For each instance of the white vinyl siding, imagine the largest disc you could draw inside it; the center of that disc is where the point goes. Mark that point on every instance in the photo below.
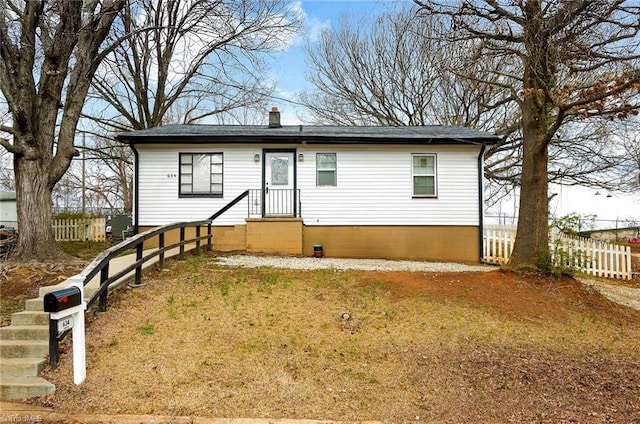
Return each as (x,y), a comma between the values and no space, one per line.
(159,201)
(375,188)
(375,185)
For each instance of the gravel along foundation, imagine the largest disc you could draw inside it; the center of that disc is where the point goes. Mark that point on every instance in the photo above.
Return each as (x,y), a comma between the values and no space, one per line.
(250,261)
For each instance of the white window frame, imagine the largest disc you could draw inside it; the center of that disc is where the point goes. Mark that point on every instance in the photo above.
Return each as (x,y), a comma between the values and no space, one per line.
(334,170)
(415,175)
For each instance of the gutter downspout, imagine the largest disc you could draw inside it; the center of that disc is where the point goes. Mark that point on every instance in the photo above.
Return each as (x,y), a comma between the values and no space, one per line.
(136,174)
(481,203)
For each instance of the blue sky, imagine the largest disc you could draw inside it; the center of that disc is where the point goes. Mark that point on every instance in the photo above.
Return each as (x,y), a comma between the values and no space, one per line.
(289,67)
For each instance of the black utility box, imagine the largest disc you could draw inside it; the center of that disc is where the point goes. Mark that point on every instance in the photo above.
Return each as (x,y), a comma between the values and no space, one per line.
(60,300)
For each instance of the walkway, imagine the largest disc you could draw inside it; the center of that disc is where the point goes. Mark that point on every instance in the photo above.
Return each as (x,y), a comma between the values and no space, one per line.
(24,413)
(117,265)
(617,293)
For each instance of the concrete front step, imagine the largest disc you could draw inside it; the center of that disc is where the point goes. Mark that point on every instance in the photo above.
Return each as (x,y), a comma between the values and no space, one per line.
(21,367)
(24,387)
(25,332)
(23,349)
(30,318)
(36,304)
(48,289)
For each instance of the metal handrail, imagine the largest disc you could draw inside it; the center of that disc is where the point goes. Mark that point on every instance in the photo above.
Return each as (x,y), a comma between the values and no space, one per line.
(101,265)
(256,206)
(229,205)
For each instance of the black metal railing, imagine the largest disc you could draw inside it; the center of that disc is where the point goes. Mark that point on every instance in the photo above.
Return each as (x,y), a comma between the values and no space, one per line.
(230,205)
(275,203)
(267,203)
(100,265)
(255,203)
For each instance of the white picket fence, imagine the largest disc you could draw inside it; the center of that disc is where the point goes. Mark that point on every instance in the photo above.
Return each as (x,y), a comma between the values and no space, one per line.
(92,229)
(593,257)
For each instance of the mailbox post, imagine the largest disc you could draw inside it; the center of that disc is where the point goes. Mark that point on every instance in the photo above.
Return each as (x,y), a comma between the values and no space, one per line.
(66,312)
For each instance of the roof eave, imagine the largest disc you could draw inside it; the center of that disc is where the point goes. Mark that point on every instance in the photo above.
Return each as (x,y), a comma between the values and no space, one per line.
(297,139)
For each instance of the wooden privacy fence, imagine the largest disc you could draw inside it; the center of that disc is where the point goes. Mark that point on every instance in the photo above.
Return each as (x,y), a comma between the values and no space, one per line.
(593,257)
(80,229)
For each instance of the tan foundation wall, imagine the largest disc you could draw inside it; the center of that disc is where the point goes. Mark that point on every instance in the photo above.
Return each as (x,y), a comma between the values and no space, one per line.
(445,243)
(225,239)
(275,235)
(290,236)
(229,239)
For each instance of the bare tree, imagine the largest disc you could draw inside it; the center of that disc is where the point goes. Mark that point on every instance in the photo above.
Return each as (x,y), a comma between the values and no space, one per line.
(6,172)
(105,180)
(49,51)
(629,146)
(188,60)
(578,60)
(7,179)
(110,176)
(185,60)
(387,70)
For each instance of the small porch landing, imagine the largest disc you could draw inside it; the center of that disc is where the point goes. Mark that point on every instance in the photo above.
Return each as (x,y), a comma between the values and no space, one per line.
(274,235)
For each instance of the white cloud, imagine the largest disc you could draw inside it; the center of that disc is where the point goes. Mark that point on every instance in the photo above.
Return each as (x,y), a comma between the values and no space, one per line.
(312,27)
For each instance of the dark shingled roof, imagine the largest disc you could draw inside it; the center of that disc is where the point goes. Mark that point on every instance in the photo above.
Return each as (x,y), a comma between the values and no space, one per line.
(298,134)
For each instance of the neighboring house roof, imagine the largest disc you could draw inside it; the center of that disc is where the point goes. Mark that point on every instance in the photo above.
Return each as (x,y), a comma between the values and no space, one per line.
(7,195)
(301,134)
(608,230)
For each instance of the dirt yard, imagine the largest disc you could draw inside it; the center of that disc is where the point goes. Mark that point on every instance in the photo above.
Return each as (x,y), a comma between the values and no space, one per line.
(204,340)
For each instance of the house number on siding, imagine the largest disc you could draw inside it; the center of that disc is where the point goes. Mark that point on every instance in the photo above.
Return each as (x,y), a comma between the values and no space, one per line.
(172,175)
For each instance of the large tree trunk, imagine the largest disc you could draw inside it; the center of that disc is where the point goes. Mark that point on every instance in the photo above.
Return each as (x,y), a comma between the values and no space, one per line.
(36,239)
(48,58)
(531,247)
(532,238)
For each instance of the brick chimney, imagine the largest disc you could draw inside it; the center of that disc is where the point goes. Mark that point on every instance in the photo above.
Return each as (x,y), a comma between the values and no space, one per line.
(274,118)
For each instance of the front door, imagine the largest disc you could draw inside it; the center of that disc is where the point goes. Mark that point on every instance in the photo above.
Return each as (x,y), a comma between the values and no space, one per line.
(279,183)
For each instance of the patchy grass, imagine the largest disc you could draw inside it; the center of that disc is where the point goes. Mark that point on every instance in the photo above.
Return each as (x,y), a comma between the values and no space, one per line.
(86,250)
(393,346)
(21,282)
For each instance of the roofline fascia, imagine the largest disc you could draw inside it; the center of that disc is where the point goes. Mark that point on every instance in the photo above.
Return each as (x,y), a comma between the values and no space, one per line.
(297,140)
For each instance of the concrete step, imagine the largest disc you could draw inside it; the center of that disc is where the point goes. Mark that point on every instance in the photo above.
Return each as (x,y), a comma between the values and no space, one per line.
(24,387)
(23,349)
(36,304)
(21,367)
(48,289)
(30,318)
(25,332)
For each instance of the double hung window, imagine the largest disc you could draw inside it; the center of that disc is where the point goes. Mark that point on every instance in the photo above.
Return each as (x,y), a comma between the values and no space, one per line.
(424,175)
(326,169)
